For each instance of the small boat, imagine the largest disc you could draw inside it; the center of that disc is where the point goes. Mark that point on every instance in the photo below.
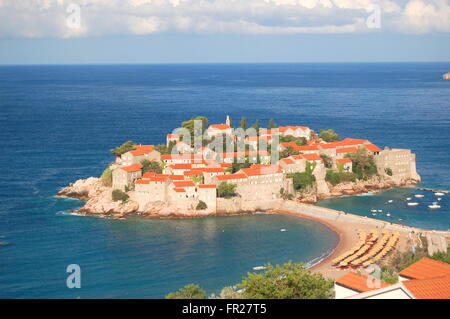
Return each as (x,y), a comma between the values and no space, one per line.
(439,194)
(390,201)
(373,214)
(259,268)
(419,196)
(408,198)
(283,229)
(439,199)
(373,210)
(388,214)
(400,219)
(413,204)
(434,206)
(380,210)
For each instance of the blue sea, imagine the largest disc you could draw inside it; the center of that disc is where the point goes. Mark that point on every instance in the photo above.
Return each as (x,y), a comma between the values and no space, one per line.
(58,123)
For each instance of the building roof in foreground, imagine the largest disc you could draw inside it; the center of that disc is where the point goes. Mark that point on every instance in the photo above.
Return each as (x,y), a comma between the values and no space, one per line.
(426,268)
(434,288)
(360,283)
(132,168)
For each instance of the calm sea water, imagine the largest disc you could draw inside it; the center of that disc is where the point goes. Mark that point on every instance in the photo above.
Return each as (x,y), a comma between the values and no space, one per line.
(58,123)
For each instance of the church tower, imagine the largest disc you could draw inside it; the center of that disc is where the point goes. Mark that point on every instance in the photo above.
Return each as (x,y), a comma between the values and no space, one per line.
(228,121)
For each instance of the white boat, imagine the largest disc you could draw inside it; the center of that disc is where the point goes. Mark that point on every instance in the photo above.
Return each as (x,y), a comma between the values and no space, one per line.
(390,201)
(434,206)
(408,198)
(259,268)
(419,196)
(373,210)
(380,210)
(413,204)
(373,214)
(439,194)
(283,229)
(388,215)
(439,199)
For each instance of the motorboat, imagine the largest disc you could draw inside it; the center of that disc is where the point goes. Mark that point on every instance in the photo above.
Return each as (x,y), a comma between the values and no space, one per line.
(259,268)
(439,194)
(434,206)
(413,204)
(419,196)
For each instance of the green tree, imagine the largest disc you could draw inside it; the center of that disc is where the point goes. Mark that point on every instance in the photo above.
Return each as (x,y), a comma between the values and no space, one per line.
(151,166)
(256,127)
(118,195)
(329,135)
(188,292)
(303,180)
(288,151)
(388,171)
(164,149)
(226,190)
(290,281)
(201,205)
(300,141)
(363,163)
(243,123)
(272,124)
(441,256)
(327,160)
(190,126)
(335,178)
(106,178)
(122,149)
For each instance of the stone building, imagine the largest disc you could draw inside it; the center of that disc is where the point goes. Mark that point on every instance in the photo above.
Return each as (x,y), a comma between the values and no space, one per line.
(125,175)
(402,163)
(141,152)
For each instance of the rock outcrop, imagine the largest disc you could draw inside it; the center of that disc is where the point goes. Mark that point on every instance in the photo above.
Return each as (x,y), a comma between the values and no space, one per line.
(446,76)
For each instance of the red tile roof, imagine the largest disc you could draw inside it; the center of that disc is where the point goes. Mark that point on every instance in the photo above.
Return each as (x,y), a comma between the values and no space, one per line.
(142,149)
(212,169)
(288,160)
(373,148)
(435,288)
(193,172)
(426,268)
(226,165)
(306,148)
(207,186)
(220,127)
(230,176)
(173,135)
(360,283)
(183,183)
(132,168)
(180,166)
(344,160)
(346,150)
(312,157)
(142,181)
(242,154)
(182,157)
(179,190)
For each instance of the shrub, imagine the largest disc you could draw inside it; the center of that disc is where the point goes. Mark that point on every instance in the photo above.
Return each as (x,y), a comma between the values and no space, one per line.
(118,195)
(188,292)
(441,256)
(328,161)
(303,180)
(335,178)
(125,147)
(329,135)
(388,171)
(226,190)
(106,178)
(363,164)
(201,205)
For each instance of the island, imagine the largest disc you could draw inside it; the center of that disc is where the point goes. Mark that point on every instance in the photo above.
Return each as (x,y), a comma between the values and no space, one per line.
(221,170)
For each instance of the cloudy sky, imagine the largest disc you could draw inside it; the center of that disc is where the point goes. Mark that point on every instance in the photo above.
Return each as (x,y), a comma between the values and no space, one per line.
(164,31)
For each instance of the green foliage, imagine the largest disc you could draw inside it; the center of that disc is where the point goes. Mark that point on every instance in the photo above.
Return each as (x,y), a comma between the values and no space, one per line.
(164,149)
(106,178)
(122,149)
(388,171)
(228,293)
(441,256)
(243,123)
(201,205)
(118,195)
(189,125)
(256,127)
(300,141)
(363,164)
(272,124)
(226,190)
(329,135)
(335,178)
(389,274)
(327,160)
(288,151)
(302,181)
(148,166)
(290,281)
(188,292)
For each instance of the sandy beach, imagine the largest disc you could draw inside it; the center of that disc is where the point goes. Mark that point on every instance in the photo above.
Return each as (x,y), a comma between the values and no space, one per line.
(346,226)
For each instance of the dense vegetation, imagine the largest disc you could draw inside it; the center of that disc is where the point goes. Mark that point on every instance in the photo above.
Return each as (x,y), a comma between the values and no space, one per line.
(329,135)
(201,205)
(148,166)
(336,177)
(288,151)
(164,149)
(327,160)
(290,281)
(363,164)
(118,195)
(188,292)
(388,171)
(106,178)
(272,124)
(300,141)
(226,190)
(122,149)
(304,180)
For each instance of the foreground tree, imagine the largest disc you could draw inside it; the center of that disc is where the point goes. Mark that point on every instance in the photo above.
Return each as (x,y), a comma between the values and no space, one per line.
(188,292)
(329,135)
(243,123)
(363,163)
(290,281)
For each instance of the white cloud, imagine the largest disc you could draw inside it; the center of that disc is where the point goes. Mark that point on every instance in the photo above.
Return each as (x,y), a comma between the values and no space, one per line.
(47,18)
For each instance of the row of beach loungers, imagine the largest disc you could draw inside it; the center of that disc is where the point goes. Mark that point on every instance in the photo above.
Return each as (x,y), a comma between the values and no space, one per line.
(368,250)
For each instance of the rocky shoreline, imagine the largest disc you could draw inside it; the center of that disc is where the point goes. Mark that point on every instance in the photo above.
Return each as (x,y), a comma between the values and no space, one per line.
(99,200)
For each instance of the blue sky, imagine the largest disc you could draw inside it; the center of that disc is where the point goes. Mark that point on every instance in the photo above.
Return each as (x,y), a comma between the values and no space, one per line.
(205,31)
